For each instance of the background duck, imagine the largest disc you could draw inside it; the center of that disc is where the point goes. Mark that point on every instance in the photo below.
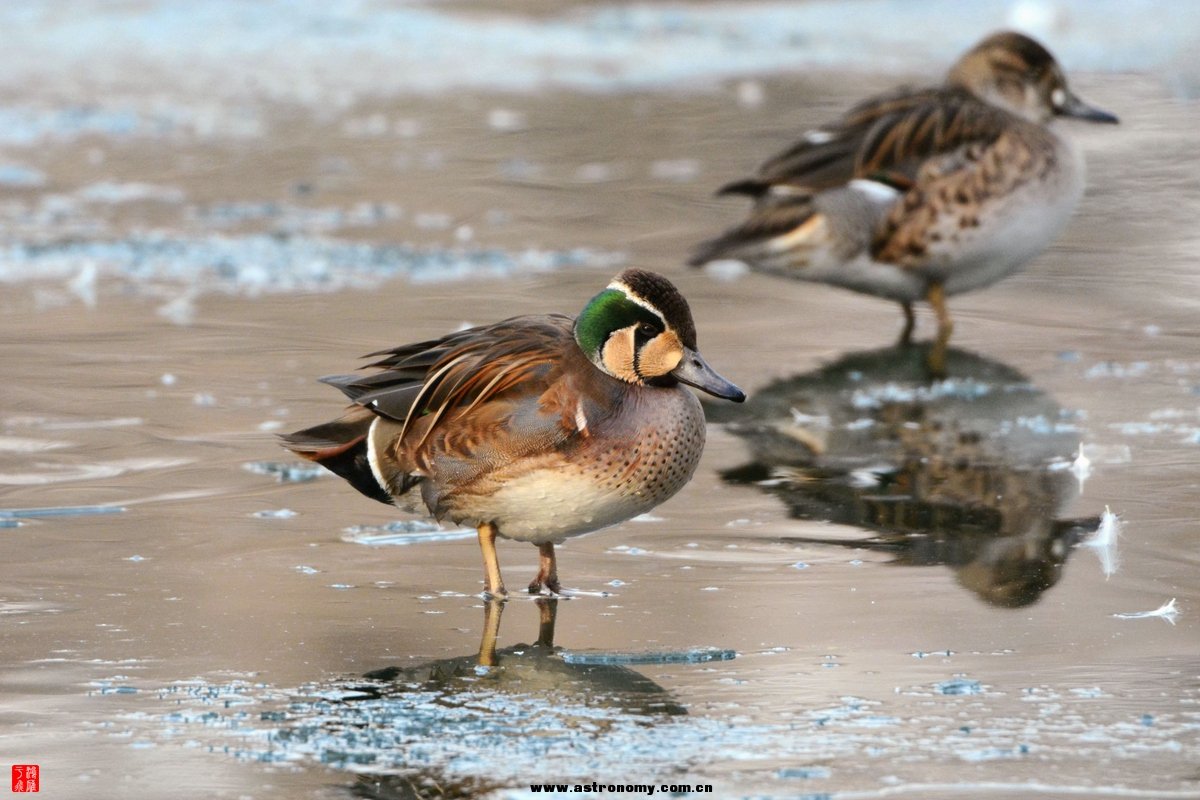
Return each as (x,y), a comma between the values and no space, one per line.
(535,428)
(920,194)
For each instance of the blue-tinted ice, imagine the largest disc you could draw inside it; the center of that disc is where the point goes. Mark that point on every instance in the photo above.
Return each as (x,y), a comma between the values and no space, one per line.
(58,511)
(404,532)
(695,655)
(288,472)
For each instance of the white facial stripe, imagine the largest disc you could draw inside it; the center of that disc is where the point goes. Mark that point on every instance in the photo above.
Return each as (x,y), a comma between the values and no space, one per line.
(818,136)
(621,287)
(1058,97)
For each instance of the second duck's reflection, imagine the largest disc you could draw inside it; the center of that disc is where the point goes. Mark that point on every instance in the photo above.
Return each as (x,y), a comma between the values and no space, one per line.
(970,472)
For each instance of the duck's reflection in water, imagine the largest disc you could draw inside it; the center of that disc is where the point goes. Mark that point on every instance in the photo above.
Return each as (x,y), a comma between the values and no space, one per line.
(415,730)
(534,669)
(972,472)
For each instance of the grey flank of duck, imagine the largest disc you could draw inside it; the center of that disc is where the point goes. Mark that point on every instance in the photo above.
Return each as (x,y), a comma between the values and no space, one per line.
(535,428)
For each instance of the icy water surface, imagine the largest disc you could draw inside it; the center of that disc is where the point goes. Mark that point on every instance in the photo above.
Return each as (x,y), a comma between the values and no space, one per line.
(876,585)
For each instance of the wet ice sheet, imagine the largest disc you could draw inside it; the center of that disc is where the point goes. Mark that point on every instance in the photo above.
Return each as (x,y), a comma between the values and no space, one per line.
(404,532)
(319,55)
(260,263)
(698,655)
(61,511)
(42,474)
(195,585)
(289,472)
(439,726)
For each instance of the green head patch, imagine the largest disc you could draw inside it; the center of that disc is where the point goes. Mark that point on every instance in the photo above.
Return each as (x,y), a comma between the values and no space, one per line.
(609,311)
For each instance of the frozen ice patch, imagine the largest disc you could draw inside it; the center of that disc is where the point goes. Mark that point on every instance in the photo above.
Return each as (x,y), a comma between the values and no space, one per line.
(19,176)
(276,513)
(595,173)
(50,473)
(726,270)
(296,472)
(506,120)
(693,655)
(1113,369)
(17,444)
(254,264)
(885,394)
(751,94)
(25,126)
(804,773)
(111,192)
(679,170)
(959,685)
(323,55)
(404,532)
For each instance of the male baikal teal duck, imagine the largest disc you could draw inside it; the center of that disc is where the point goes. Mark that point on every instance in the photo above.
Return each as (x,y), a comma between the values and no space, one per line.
(922,193)
(536,428)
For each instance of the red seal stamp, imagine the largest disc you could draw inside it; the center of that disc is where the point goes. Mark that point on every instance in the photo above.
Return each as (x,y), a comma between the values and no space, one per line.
(26,778)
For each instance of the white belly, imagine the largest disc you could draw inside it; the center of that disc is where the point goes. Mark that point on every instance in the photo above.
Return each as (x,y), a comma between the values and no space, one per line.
(862,274)
(551,505)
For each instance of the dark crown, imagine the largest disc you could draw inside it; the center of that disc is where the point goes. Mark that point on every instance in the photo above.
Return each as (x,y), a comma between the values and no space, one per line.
(657,291)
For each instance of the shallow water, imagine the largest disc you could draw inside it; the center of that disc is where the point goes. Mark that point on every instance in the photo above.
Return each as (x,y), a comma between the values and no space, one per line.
(874,586)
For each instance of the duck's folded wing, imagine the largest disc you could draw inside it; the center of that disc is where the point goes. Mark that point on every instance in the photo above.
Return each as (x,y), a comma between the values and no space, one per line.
(445,399)
(444,374)
(490,403)
(885,138)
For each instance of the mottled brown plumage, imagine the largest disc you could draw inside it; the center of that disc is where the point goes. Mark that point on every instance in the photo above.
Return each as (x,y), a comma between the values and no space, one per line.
(917,194)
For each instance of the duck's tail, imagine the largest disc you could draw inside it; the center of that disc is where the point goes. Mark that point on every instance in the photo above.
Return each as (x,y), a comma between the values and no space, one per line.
(772,228)
(341,447)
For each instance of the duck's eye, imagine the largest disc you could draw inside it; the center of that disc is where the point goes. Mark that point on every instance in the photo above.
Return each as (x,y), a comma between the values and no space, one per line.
(647,330)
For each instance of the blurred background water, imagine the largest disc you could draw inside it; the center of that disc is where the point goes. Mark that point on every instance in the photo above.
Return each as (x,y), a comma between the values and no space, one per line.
(875,586)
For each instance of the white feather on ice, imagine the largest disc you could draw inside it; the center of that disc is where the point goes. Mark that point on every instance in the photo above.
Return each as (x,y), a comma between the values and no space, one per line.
(1167,611)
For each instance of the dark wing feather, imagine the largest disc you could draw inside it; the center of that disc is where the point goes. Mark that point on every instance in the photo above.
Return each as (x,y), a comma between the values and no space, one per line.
(331,438)
(387,393)
(885,138)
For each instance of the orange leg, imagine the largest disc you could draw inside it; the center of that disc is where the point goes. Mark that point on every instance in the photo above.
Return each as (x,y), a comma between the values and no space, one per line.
(937,356)
(547,571)
(493,584)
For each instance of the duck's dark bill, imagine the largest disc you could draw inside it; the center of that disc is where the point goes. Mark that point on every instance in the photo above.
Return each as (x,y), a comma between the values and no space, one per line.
(695,371)
(1074,107)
